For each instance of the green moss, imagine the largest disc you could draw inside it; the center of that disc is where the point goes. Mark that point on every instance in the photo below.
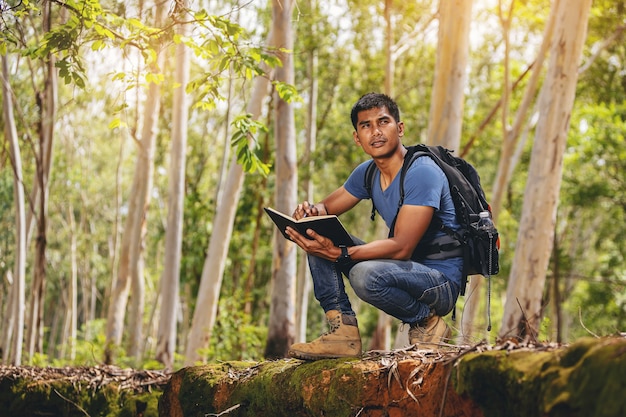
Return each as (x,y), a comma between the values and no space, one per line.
(65,398)
(585,379)
(273,389)
(145,405)
(199,386)
(503,383)
(339,386)
(593,385)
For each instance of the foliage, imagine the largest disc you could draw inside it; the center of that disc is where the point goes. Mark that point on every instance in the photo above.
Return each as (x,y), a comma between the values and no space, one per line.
(594,195)
(245,130)
(236,335)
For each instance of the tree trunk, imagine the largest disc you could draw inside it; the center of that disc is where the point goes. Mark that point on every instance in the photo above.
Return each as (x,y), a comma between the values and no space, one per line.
(303,278)
(69,335)
(446,109)
(522,310)
(130,272)
(166,334)
(205,312)
(15,331)
(47,100)
(281,326)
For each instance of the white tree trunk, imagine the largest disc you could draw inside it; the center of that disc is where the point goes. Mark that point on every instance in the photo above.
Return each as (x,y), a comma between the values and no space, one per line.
(131,259)
(47,118)
(281,326)
(522,310)
(446,108)
(303,278)
(72,298)
(166,334)
(205,313)
(16,327)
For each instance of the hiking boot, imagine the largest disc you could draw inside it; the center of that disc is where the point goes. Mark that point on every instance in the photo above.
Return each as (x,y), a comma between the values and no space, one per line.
(430,333)
(342,340)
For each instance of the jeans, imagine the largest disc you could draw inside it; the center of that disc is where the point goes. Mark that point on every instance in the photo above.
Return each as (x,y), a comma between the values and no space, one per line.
(406,290)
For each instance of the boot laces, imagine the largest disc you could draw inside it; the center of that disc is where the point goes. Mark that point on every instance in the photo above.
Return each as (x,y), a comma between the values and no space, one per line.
(334,325)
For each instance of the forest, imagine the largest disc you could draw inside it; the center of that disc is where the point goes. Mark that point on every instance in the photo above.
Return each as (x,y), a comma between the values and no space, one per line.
(142,140)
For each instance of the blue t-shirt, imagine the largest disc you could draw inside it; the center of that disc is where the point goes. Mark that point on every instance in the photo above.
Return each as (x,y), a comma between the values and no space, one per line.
(425,184)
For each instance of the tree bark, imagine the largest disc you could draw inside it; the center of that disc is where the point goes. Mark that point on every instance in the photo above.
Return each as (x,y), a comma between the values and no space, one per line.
(166,334)
(72,298)
(15,331)
(46,101)
(522,309)
(446,109)
(281,326)
(130,273)
(303,278)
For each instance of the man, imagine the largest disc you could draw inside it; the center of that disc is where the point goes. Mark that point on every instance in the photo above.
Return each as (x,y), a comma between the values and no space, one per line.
(390,274)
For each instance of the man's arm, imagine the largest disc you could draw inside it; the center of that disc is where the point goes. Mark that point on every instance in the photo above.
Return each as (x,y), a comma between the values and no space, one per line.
(411,224)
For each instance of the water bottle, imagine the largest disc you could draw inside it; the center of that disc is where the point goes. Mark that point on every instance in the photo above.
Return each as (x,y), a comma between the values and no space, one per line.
(485,223)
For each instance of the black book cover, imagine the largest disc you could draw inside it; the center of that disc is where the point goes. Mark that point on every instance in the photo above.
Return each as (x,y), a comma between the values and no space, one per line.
(329,226)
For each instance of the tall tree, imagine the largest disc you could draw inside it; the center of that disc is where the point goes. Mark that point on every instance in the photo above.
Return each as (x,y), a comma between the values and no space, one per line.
(131,267)
(15,333)
(47,101)
(281,327)
(523,308)
(303,279)
(166,336)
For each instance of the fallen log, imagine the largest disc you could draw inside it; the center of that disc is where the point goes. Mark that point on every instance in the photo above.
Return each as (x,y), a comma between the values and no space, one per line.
(585,379)
(510,379)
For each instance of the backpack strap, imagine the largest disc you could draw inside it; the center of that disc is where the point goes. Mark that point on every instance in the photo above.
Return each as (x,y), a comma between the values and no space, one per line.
(369,184)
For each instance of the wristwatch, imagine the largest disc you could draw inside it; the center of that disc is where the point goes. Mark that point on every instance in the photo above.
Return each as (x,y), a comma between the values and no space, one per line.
(344,258)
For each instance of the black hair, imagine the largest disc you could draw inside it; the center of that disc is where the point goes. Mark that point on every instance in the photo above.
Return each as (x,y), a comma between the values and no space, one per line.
(374,100)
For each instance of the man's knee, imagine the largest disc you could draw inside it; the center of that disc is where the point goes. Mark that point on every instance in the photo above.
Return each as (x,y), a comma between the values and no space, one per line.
(362,280)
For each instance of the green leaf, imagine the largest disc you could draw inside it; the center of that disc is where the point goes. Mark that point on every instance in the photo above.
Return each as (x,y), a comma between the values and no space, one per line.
(116,122)
(244,129)
(287,92)
(78,80)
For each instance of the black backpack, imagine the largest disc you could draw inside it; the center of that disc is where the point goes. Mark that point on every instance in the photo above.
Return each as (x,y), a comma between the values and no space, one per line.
(479,248)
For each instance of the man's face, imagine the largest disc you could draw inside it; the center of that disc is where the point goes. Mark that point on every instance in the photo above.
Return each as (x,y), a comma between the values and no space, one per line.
(377,132)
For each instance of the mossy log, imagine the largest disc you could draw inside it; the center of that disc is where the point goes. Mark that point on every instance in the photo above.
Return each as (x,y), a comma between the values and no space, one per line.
(584,379)
(104,391)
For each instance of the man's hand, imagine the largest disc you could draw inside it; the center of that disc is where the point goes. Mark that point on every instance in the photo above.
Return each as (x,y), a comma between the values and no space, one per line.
(306,209)
(319,246)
